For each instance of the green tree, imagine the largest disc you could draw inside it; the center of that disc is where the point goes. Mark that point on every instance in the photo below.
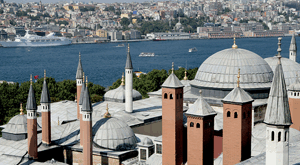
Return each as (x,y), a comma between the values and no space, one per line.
(125,21)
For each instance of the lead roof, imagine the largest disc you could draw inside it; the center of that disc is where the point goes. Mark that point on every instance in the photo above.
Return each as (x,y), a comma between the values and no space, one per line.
(201,108)
(172,82)
(128,61)
(45,96)
(31,102)
(81,94)
(293,45)
(86,102)
(238,95)
(79,73)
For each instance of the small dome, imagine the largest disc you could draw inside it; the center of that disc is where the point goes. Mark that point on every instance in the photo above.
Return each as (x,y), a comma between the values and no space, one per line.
(113,133)
(290,68)
(118,95)
(146,142)
(16,128)
(220,70)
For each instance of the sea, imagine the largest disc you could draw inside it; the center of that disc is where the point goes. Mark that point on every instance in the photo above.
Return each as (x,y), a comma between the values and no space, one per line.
(104,63)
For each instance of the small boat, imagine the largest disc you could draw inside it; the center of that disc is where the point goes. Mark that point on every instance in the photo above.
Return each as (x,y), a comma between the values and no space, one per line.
(120,45)
(193,50)
(144,54)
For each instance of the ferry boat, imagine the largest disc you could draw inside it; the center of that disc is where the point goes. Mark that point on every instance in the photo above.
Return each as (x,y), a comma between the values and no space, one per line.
(33,40)
(143,54)
(120,45)
(193,50)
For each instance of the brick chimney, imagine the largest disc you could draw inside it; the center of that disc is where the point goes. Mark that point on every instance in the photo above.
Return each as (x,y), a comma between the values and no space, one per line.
(237,125)
(80,108)
(172,120)
(31,123)
(200,133)
(46,114)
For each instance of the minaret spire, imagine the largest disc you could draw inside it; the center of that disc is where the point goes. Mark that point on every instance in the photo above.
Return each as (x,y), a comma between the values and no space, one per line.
(293,49)
(128,83)
(46,116)
(79,81)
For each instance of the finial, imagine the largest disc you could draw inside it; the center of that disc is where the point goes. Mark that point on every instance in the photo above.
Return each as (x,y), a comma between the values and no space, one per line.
(79,56)
(185,77)
(107,114)
(128,48)
(45,74)
(122,80)
(83,76)
(238,80)
(279,50)
(234,46)
(172,67)
(86,82)
(200,91)
(31,79)
(21,109)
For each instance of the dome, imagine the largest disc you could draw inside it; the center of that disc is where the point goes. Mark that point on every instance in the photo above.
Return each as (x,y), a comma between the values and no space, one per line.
(146,142)
(118,95)
(290,68)
(115,134)
(16,128)
(218,74)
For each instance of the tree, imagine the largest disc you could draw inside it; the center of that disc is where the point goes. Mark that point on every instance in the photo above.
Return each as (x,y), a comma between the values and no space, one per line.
(125,21)
(110,8)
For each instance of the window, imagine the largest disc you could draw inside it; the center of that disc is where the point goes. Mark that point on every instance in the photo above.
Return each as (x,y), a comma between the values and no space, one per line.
(228,114)
(235,115)
(279,136)
(191,124)
(198,125)
(165,96)
(142,154)
(158,149)
(286,136)
(295,94)
(151,151)
(272,136)
(171,96)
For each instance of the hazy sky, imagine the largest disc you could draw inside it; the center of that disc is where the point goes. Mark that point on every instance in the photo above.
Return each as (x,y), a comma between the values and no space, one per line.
(100,1)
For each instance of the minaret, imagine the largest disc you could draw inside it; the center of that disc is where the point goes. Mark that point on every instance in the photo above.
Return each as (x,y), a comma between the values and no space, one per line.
(278,118)
(79,81)
(172,118)
(200,133)
(237,125)
(46,114)
(293,49)
(128,83)
(31,123)
(80,108)
(87,128)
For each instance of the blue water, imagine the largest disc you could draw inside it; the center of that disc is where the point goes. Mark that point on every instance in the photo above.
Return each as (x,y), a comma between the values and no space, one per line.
(104,63)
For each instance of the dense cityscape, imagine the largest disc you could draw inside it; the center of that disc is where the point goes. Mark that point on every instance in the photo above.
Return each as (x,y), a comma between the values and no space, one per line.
(101,22)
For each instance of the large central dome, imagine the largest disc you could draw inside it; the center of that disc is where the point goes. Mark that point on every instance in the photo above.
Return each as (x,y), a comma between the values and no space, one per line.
(218,73)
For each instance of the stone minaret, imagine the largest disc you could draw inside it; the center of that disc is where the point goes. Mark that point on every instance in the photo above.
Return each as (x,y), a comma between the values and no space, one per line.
(79,82)
(172,118)
(278,119)
(237,125)
(87,128)
(31,123)
(200,133)
(80,107)
(46,114)
(128,83)
(293,49)
(294,102)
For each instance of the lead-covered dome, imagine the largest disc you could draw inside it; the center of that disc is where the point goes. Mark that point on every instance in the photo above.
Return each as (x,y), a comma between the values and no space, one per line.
(115,134)
(290,68)
(118,95)
(217,75)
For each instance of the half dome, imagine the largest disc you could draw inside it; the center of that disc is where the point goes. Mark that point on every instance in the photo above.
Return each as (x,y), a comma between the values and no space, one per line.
(115,134)
(290,68)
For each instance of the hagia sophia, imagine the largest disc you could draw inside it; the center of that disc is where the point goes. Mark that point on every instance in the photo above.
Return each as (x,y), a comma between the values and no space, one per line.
(239,109)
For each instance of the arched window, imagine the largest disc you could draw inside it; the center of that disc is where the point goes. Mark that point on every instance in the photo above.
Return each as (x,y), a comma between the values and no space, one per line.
(279,136)
(286,136)
(191,124)
(295,94)
(272,136)
(235,115)
(165,96)
(198,125)
(228,114)
(171,96)
(43,107)
(244,115)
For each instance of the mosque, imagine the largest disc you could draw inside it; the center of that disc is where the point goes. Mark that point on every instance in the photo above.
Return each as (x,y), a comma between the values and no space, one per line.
(239,109)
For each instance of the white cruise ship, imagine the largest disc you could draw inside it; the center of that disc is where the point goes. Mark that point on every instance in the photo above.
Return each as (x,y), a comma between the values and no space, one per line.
(33,40)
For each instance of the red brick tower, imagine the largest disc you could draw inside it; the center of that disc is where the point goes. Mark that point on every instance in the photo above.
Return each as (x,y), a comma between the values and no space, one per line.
(46,114)
(172,121)
(31,123)
(294,102)
(79,82)
(80,108)
(200,133)
(87,128)
(237,121)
